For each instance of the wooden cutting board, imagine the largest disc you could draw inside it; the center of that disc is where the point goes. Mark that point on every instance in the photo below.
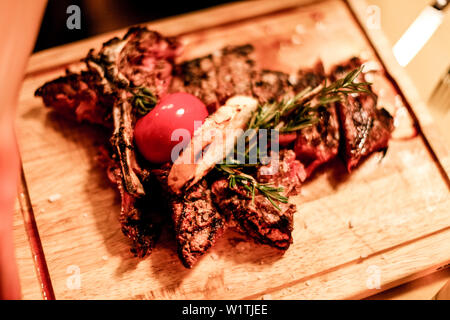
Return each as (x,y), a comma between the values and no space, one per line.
(355,235)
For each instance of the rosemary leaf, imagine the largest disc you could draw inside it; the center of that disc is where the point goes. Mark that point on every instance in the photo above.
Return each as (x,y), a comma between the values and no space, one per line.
(143,100)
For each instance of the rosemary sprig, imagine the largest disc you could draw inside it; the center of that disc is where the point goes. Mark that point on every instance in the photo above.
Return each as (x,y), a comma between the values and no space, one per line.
(143,100)
(270,115)
(343,87)
(236,177)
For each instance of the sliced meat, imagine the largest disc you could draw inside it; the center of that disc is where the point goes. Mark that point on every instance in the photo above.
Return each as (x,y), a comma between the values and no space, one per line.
(139,221)
(365,128)
(234,72)
(271,86)
(310,77)
(198,77)
(258,217)
(196,221)
(284,171)
(319,143)
(79,96)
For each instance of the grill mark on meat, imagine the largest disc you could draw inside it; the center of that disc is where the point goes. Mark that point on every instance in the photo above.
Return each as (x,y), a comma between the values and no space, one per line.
(365,128)
(197,222)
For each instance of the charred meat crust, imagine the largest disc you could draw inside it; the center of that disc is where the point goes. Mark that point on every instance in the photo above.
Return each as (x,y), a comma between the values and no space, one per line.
(79,96)
(235,73)
(139,222)
(365,128)
(197,222)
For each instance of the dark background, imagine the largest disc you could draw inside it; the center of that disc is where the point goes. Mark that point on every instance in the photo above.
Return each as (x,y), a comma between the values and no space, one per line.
(99,16)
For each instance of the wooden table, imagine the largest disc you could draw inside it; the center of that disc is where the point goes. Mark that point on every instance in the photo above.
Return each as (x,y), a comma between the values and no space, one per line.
(387,222)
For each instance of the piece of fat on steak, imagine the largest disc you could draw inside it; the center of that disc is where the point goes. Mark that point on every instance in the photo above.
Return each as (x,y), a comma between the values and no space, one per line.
(196,220)
(319,143)
(257,217)
(365,127)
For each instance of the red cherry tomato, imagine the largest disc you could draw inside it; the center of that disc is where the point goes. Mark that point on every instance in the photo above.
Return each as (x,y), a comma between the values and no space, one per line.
(153,132)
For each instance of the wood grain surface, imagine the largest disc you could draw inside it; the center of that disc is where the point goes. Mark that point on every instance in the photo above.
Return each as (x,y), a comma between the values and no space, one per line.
(388,221)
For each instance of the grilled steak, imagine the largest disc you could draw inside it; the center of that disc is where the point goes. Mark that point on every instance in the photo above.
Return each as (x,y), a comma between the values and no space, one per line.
(271,86)
(318,143)
(257,216)
(310,77)
(234,76)
(139,221)
(103,94)
(197,222)
(215,78)
(79,96)
(365,128)
(198,77)
(284,171)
